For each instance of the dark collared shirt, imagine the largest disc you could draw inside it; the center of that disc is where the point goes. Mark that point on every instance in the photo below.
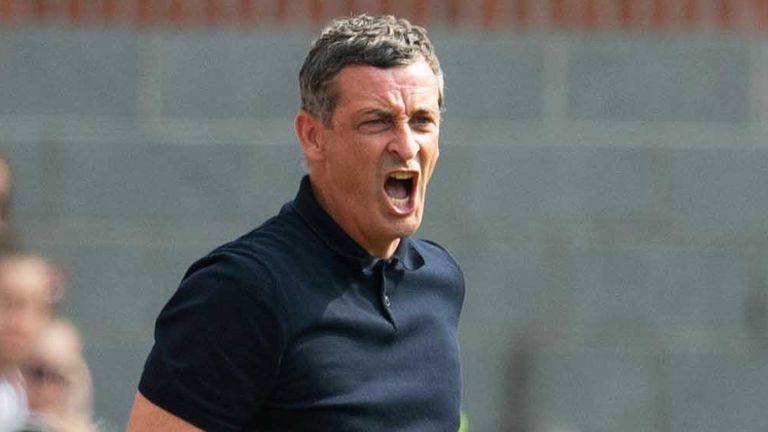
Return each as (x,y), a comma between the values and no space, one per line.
(295,327)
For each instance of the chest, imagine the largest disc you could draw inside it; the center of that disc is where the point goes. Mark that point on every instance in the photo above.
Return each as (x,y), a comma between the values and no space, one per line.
(381,348)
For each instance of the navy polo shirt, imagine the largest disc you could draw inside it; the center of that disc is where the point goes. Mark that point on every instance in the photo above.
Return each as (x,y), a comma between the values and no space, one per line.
(295,327)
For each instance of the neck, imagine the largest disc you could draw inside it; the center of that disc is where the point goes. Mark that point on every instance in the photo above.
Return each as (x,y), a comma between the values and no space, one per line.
(385,251)
(379,248)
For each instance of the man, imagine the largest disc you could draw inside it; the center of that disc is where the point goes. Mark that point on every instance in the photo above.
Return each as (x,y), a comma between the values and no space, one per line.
(328,317)
(27,294)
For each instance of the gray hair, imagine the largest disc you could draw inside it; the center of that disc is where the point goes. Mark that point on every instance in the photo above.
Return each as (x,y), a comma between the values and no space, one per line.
(381,41)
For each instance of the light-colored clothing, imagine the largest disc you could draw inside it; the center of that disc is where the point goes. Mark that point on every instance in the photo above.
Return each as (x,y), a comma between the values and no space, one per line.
(13,402)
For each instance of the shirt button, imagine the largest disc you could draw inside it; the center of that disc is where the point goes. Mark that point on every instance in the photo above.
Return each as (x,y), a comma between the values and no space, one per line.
(387,303)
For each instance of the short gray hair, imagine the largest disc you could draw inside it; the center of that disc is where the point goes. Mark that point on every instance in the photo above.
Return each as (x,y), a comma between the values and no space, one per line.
(380,41)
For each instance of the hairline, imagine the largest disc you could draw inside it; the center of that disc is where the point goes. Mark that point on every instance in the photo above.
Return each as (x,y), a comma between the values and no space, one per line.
(334,92)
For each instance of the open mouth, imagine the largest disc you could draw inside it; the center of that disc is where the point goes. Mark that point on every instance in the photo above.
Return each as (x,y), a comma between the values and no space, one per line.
(400,188)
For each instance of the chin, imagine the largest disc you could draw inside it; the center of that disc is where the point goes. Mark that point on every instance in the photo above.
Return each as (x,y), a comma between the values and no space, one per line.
(406,227)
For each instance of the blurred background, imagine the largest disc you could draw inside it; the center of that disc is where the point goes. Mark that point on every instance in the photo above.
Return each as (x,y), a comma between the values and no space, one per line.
(603,181)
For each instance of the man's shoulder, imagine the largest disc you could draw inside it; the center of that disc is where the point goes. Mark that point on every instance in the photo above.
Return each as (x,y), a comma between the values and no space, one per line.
(435,253)
(263,248)
(277,234)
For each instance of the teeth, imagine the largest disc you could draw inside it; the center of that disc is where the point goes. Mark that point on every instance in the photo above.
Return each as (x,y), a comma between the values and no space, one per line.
(401,176)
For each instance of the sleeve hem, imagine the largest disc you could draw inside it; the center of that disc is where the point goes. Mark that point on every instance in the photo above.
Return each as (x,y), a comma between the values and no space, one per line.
(182,407)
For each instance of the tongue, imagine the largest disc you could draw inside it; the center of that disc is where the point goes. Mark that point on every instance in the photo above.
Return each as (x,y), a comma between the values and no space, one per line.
(396,188)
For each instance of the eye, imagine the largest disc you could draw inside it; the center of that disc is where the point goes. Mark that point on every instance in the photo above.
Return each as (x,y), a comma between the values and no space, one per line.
(374,125)
(422,122)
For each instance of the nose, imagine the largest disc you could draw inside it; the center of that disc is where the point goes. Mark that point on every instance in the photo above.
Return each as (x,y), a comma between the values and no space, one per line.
(404,143)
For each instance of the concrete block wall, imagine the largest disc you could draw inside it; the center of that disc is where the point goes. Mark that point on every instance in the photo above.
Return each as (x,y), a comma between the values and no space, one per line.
(605,195)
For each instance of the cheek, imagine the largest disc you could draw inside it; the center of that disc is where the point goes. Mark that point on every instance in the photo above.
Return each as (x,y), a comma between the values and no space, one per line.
(435,157)
(430,155)
(362,160)
(347,155)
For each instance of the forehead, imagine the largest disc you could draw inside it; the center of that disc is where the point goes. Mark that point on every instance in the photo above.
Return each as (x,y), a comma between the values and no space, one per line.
(413,84)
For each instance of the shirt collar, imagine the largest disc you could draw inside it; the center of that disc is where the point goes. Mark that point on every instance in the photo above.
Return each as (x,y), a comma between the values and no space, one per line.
(340,242)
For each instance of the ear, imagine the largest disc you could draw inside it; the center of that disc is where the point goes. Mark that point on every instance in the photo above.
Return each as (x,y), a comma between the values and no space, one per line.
(309,132)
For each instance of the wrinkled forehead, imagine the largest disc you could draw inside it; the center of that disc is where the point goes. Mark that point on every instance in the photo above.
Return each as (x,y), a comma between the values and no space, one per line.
(362,83)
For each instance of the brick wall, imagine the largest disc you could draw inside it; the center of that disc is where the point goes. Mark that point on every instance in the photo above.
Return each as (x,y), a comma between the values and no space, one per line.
(675,15)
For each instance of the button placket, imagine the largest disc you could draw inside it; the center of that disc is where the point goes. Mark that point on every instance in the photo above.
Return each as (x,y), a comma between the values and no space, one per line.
(386,298)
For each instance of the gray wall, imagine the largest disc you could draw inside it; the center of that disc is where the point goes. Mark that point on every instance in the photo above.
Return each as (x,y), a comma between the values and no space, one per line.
(606,196)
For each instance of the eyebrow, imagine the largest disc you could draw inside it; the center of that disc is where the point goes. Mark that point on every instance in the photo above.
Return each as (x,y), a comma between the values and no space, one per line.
(425,110)
(421,110)
(377,111)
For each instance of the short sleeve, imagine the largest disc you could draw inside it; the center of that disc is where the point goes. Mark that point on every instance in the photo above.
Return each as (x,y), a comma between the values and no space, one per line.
(218,344)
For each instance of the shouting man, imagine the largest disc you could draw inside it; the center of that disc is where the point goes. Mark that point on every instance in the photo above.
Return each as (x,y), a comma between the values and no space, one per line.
(329,316)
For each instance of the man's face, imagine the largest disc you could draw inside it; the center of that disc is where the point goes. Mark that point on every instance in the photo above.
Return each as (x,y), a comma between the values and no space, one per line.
(25,306)
(380,152)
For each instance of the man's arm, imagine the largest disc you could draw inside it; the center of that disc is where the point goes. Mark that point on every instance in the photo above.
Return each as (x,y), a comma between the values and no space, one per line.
(218,343)
(148,417)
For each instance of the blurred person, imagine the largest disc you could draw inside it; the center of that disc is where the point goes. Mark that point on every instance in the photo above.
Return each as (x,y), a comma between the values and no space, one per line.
(58,382)
(5,192)
(8,240)
(329,316)
(28,294)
